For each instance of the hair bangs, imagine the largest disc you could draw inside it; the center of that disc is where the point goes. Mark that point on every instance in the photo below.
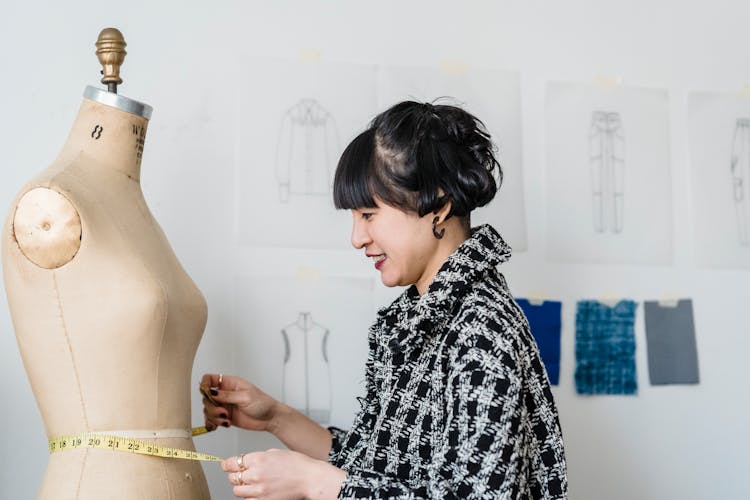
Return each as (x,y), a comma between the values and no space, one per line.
(352,183)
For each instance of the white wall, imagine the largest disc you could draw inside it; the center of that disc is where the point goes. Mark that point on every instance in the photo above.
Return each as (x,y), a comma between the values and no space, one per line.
(666,443)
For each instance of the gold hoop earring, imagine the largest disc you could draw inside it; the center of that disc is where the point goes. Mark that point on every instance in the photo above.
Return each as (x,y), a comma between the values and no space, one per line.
(434,229)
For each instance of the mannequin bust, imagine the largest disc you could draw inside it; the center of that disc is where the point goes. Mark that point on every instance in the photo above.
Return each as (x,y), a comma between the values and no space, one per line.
(107,320)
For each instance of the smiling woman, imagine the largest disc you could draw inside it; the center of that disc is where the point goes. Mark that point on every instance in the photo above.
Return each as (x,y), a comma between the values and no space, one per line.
(458,403)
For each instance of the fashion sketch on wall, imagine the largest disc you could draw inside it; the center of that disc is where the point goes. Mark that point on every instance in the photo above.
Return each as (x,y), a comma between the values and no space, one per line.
(289,143)
(607,162)
(306,376)
(294,334)
(608,180)
(493,96)
(719,147)
(741,176)
(306,152)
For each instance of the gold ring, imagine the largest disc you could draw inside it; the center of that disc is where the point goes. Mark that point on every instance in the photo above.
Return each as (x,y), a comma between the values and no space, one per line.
(239,479)
(221,377)
(240,463)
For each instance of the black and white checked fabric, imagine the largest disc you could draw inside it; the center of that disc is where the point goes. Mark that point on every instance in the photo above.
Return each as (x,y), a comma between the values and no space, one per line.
(458,403)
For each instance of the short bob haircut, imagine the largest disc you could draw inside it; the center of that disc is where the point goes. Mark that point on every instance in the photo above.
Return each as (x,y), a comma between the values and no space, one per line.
(417,157)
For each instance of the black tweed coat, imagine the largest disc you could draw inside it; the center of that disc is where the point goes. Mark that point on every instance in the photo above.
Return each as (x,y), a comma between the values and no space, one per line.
(458,403)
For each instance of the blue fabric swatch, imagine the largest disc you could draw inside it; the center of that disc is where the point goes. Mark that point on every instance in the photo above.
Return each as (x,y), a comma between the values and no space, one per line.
(605,348)
(545,323)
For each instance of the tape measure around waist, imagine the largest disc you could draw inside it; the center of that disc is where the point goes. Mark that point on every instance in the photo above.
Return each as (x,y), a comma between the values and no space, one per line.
(128,445)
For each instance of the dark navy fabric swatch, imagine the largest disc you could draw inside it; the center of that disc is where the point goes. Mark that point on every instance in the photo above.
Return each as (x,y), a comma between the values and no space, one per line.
(605,348)
(545,322)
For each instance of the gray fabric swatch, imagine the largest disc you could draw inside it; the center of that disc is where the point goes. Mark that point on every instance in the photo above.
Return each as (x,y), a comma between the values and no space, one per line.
(670,335)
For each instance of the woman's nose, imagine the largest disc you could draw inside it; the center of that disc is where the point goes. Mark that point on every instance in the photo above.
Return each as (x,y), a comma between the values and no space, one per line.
(360,237)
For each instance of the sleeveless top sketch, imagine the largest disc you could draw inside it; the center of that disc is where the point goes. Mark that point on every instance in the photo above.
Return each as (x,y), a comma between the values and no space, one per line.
(740,170)
(306,377)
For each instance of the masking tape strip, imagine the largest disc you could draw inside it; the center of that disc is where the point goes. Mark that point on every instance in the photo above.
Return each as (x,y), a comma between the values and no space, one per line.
(128,445)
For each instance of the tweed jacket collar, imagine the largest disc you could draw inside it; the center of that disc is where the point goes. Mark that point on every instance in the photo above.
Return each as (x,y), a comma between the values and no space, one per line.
(411,318)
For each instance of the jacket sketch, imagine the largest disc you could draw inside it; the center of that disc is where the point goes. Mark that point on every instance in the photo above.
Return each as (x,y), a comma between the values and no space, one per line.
(306,151)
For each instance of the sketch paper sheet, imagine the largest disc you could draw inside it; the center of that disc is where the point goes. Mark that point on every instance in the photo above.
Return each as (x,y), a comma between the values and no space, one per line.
(608,181)
(494,97)
(719,143)
(295,120)
(304,341)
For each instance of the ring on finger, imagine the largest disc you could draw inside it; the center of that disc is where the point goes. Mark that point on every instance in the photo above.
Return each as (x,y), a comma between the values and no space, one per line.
(221,377)
(240,481)
(241,463)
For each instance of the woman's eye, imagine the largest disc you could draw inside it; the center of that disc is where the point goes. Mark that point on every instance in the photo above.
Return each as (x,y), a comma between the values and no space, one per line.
(366,216)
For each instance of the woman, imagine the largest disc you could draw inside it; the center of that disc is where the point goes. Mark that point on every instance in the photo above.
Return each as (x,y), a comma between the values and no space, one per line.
(458,404)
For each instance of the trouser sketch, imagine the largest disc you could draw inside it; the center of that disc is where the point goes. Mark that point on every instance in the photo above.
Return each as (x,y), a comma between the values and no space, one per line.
(607,164)
(306,378)
(740,170)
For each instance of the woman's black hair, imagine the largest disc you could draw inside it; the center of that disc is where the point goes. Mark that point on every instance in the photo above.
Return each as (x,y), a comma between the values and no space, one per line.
(417,157)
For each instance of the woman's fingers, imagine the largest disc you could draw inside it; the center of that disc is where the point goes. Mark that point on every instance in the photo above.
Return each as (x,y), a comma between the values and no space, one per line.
(215,412)
(248,492)
(224,388)
(239,463)
(212,379)
(230,397)
(244,486)
(216,415)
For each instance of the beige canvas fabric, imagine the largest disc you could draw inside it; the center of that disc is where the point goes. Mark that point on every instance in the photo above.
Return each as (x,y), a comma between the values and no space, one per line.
(107,320)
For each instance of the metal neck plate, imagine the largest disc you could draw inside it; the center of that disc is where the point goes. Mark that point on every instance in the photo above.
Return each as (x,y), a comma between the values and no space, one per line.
(118,101)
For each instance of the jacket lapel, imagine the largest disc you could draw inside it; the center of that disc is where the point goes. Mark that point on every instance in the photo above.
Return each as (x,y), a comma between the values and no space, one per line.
(411,320)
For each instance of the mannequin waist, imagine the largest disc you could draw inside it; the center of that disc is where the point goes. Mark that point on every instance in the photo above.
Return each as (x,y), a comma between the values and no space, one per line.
(147,433)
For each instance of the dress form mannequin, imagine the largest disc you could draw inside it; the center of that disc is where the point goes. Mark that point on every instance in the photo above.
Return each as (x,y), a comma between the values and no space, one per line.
(107,320)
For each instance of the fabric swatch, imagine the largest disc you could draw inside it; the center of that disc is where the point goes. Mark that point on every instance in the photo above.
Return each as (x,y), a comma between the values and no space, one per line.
(545,323)
(670,336)
(605,348)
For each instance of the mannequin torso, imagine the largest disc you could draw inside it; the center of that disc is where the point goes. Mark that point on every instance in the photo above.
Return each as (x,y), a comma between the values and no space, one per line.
(106,319)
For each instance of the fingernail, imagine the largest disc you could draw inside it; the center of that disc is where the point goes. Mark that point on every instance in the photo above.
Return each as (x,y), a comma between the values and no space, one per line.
(225,424)
(214,392)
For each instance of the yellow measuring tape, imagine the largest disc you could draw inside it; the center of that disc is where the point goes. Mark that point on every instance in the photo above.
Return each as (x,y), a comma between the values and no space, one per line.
(130,445)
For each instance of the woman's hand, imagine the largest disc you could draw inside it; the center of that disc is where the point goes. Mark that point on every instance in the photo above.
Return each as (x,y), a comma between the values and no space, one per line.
(282,474)
(237,402)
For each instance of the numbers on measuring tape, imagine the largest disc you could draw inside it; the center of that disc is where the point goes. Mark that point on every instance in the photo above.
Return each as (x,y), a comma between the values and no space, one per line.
(129,445)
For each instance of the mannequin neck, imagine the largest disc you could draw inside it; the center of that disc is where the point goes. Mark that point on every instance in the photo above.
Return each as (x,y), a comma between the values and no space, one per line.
(108,138)
(304,320)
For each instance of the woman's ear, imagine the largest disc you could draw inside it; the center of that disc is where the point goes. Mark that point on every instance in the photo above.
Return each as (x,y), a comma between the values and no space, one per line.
(442,213)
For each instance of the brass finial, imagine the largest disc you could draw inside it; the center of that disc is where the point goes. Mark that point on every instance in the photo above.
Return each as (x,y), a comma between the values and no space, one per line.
(110,49)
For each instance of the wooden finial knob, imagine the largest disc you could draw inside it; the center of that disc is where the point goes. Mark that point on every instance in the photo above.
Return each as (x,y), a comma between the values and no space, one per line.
(110,49)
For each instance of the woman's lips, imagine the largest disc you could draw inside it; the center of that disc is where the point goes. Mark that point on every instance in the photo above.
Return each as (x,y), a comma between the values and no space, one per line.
(379,259)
